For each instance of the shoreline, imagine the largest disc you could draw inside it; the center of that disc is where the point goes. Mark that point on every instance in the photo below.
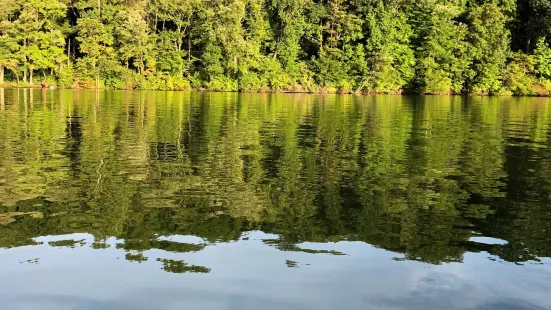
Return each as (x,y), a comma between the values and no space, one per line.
(322,92)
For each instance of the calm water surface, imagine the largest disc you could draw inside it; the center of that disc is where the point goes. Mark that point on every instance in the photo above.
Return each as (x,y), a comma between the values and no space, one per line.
(160,200)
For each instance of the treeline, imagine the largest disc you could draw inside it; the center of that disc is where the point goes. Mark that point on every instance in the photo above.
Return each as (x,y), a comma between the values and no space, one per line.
(376,46)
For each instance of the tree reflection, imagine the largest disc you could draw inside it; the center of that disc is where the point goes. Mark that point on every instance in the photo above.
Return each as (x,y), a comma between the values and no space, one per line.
(414,175)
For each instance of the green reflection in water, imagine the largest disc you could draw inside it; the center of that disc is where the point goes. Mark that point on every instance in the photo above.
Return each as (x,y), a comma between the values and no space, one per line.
(415,175)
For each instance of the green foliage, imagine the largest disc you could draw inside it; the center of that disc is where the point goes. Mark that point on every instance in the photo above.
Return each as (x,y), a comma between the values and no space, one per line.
(490,47)
(65,77)
(132,34)
(169,57)
(331,68)
(251,81)
(96,43)
(517,78)
(175,83)
(222,83)
(542,57)
(444,56)
(391,59)
(374,46)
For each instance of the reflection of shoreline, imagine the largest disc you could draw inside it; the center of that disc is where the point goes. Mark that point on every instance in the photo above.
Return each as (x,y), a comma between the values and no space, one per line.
(133,251)
(140,251)
(412,175)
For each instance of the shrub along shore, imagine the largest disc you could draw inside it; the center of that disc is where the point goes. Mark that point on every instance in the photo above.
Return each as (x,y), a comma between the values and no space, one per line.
(481,47)
(287,91)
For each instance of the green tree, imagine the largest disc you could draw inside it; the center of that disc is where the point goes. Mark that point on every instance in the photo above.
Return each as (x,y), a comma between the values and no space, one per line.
(542,56)
(9,48)
(96,43)
(174,43)
(443,54)
(133,37)
(490,46)
(391,59)
(288,23)
(38,31)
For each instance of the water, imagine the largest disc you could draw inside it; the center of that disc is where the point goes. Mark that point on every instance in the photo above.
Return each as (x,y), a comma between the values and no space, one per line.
(160,200)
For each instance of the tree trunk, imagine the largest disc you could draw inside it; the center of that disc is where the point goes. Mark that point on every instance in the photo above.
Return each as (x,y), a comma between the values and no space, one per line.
(528,43)
(278,41)
(16,75)
(180,39)
(25,75)
(31,76)
(2,103)
(1,74)
(68,49)
(189,48)
(321,37)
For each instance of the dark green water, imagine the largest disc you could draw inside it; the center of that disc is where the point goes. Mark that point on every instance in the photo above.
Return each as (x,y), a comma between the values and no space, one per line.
(155,200)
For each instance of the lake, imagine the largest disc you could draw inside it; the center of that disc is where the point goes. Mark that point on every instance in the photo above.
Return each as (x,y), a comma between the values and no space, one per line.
(167,200)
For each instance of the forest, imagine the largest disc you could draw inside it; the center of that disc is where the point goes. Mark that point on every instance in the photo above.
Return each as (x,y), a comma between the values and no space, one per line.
(486,47)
